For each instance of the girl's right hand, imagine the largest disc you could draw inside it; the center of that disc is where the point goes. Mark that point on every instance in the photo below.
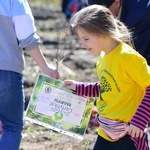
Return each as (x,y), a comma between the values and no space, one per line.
(135,131)
(70,84)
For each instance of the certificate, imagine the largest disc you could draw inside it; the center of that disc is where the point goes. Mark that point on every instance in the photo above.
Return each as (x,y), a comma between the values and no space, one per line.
(57,108)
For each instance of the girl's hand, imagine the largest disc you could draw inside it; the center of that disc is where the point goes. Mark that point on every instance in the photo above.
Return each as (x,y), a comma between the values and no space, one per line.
(70,84)
(134,131)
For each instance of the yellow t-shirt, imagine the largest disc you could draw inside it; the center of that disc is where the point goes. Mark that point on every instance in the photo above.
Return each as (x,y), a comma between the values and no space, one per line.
(124,76)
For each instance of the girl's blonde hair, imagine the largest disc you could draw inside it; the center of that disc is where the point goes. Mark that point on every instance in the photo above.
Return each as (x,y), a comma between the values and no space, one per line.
(99,20)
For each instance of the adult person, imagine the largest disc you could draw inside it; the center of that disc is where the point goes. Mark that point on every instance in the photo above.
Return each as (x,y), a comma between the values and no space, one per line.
(135,15)
(123,91)
(17,35)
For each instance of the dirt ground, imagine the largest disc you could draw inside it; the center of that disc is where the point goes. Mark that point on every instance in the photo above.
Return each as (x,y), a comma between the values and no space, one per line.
(36,137)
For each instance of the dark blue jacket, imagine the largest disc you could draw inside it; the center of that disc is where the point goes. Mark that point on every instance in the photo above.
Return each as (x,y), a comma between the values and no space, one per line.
(136,16)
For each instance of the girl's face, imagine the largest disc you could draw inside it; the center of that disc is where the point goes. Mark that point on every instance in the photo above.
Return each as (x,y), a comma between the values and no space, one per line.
(91,42)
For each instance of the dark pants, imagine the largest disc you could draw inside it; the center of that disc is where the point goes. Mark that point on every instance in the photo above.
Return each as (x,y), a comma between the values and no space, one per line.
(124,143)
(11,109)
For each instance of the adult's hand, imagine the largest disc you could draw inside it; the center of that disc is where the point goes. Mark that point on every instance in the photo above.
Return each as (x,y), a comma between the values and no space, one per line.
(51,72)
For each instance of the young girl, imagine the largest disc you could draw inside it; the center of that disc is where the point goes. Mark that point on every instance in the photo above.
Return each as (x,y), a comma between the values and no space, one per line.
(123,90)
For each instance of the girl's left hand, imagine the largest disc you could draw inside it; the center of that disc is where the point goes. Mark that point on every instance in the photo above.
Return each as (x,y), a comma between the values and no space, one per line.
(134,131)
(70,84)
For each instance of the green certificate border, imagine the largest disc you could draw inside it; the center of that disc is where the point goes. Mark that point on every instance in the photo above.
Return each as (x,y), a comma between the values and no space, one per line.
(54,123)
